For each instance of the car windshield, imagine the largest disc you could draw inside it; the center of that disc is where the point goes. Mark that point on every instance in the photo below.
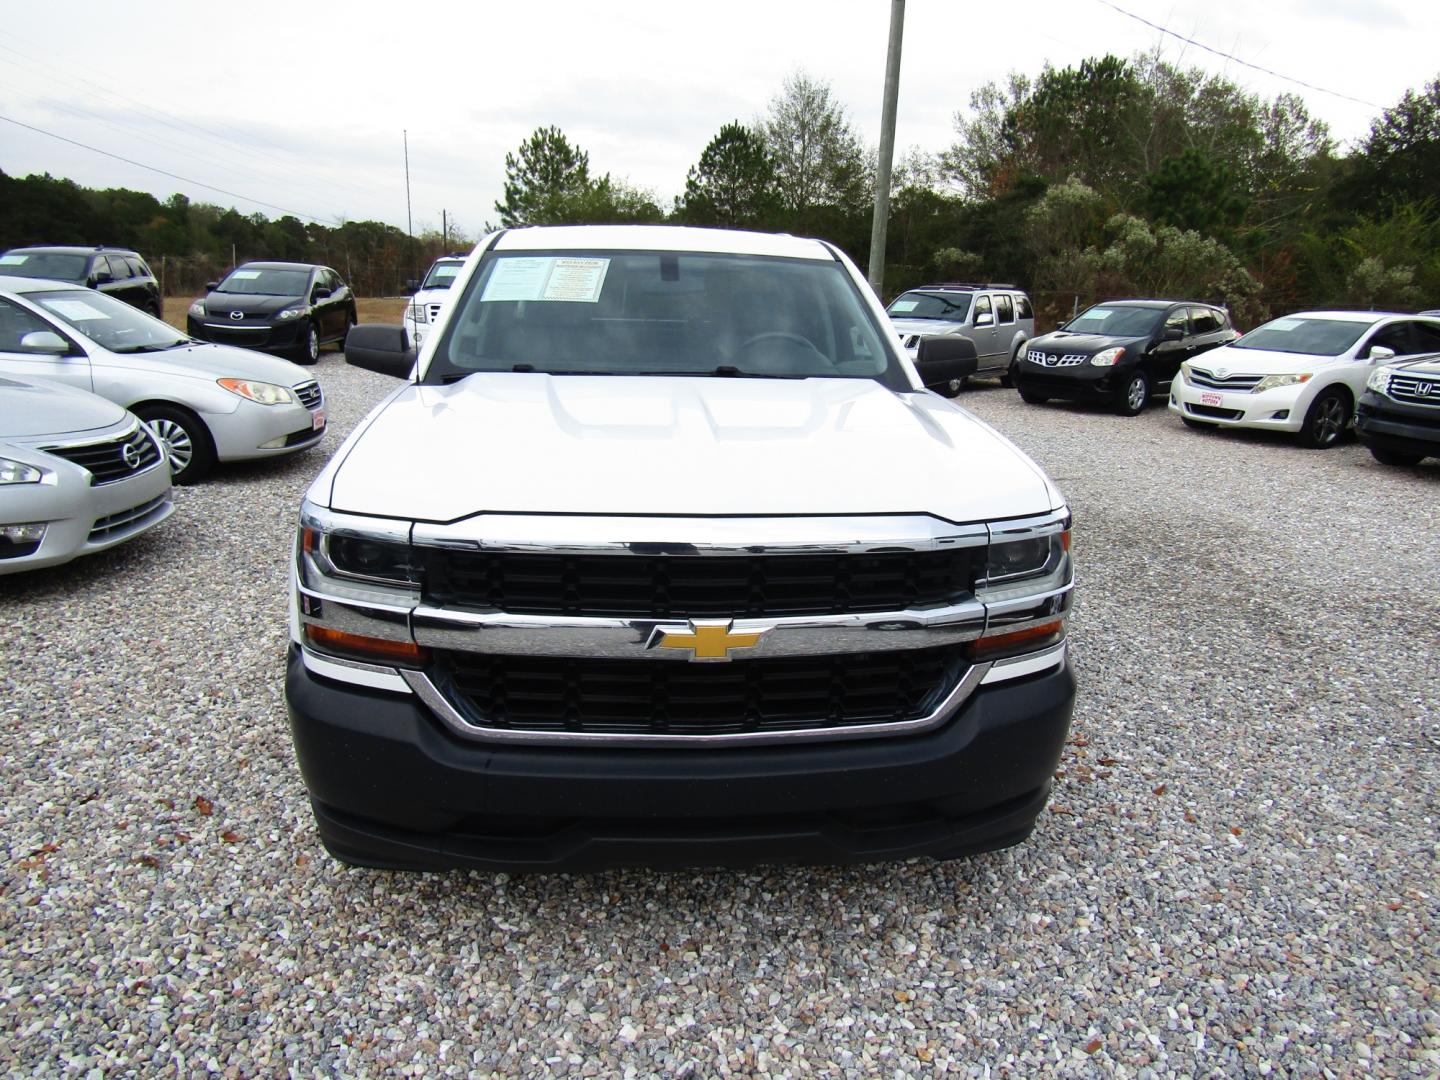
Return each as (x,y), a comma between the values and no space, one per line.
(947,307)
(109,322)
(442,275)
(265,282)
(1309,337)
(44,264)
(1117,321)
(662,313)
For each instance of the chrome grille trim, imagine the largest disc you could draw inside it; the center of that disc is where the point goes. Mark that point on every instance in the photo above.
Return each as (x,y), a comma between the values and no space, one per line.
(1242,384)
(1053,360)
(309,394)
(105,458)
(1416,390)
(111,524)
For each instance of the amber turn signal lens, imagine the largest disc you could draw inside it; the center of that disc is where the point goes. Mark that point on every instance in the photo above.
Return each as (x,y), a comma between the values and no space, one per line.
(309,540)
(370,648)
(1031,639)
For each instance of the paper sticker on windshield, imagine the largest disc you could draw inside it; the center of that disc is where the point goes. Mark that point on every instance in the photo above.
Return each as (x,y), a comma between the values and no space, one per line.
(1101,313)
(1283,325)
(245,275)
(904,305)
(446,271)
(12,260)
(574,280)
(74,310)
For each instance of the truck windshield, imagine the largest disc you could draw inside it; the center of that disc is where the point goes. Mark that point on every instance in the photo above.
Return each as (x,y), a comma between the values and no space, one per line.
(442,275)
(946,307)
(662,313)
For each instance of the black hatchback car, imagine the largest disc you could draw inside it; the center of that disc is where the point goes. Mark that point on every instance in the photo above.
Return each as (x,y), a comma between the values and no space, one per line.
(120,272)
(278,307)
(1120,352)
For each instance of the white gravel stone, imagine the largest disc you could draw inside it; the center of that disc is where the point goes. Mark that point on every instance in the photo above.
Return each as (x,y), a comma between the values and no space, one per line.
(1238,873)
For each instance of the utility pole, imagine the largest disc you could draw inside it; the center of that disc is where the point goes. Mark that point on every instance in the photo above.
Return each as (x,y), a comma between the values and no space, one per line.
(409,225)
(887,147)
(444,232)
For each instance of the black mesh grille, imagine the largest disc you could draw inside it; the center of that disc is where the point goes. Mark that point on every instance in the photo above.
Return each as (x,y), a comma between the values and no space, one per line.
(1214,411)
(694,586)
(107,460)
(654,697)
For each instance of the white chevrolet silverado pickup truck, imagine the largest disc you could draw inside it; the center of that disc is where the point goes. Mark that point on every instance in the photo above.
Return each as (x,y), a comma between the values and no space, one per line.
(662,554)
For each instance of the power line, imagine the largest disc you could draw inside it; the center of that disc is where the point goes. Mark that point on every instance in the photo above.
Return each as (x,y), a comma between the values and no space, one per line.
(1237,60)
(162,172)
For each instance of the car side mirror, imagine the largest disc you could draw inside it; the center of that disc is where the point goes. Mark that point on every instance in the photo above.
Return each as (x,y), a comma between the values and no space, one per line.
(211,286)
(101,277)
(1173,333)
(322,292)
(1379,354)
(44,341)
(940,360)
(412,287)
(380,348)
(984,320)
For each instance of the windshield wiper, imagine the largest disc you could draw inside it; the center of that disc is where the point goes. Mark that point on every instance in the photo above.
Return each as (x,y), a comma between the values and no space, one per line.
(127,349)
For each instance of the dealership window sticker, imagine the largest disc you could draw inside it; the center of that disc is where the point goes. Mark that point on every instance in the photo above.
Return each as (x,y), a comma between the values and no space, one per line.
(74,310)
(12,260)
(904,305)
(547,278)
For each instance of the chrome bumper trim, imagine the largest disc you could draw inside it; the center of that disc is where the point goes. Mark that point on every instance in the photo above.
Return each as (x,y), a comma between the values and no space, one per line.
(353,671)
(1016,667)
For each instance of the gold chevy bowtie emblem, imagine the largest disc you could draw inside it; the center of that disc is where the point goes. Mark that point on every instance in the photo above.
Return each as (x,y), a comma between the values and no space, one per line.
(707,641)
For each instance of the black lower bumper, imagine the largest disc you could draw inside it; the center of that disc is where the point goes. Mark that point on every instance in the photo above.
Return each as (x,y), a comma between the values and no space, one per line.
(1078,384)
(1403,429)
(391,787)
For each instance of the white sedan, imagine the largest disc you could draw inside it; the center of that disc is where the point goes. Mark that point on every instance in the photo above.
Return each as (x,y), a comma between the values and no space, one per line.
(206,403)
(78,474)
(1301,374)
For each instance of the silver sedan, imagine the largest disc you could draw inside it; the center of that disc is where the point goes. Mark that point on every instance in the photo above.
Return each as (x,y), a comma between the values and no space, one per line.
(207,403)
(78,474)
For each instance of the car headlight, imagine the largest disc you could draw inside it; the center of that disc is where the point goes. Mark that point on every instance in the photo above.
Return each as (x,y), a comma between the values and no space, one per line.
(198,308)
(291,313)
(1379,381)
(1035,556)
(17,472)
(416,314)
(1273,382)
(1108,358)
(262,393)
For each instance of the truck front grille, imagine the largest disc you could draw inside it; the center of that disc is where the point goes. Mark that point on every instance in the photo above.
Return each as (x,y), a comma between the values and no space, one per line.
(1416,390)
(658,697)
(699,586)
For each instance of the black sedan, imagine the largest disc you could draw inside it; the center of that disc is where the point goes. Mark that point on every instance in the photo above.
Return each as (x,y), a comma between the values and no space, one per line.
(278,307)
(1120,352)
(1398,417)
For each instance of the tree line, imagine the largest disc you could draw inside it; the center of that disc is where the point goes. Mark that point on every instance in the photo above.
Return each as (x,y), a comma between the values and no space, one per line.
(1114,177)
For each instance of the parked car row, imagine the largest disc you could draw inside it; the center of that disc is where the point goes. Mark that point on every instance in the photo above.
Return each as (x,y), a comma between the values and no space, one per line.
(1312,374)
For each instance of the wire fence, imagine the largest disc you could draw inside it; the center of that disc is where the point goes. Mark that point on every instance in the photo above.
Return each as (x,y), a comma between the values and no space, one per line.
(188,275)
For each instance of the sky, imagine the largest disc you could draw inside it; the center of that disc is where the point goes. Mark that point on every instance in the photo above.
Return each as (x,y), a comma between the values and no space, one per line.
(308,109)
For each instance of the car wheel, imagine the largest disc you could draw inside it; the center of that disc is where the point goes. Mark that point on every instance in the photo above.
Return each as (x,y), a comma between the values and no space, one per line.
(185,438)
(1007,377)
(951,389)
(1395,457)
(1326,421)
(309,351)
(1134,396)
(1197,425)
(1030,397)
(349,325)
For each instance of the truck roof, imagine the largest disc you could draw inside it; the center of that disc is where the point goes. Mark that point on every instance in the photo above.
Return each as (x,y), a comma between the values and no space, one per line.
(660,238)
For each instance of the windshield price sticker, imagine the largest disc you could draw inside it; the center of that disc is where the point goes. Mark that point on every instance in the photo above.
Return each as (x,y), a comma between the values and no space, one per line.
(1099,313)
(245,275)
(446,271)
(574,280)
(1284,325)
(904,305)
(74,310)
(12,260)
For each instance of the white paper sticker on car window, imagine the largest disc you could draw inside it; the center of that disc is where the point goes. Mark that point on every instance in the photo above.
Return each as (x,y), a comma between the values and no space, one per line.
(904,305)
(542,278)
(12,260)
(245,275)
(74,310)
(1283,325)
(446,271)
(1100,313)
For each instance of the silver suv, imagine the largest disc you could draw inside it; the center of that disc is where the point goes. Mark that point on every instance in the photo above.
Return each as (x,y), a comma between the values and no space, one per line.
(997,318)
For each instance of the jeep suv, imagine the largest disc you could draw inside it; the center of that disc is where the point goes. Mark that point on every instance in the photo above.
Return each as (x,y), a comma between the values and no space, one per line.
(626,572)
(119,272)
(998,319)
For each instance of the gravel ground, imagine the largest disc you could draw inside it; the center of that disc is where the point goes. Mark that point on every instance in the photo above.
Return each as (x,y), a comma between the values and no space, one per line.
(1238,873)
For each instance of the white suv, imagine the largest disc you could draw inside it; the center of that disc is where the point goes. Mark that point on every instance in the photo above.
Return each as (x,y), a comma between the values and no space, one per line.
(428,301)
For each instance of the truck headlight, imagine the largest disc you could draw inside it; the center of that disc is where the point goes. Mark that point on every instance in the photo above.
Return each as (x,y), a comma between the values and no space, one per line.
(262,393)
(1036,556)
(17,472)
(1379,381)
(1108,358)
(1274,382)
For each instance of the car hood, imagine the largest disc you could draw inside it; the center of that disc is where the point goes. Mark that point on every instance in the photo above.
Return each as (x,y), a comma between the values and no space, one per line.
(202,360)
(932,327)
(536,443)
(1426,365)
(222,303)
(33,409)
(431,296)
(1259,361)
(1062,341)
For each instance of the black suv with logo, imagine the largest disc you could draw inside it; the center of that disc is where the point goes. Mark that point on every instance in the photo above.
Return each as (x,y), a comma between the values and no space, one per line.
(1121,352)
(277,307)
(118,271)
(1398,417)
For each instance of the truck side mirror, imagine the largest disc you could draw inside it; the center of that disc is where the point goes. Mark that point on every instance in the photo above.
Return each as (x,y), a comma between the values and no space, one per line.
(380,348)
(943,360)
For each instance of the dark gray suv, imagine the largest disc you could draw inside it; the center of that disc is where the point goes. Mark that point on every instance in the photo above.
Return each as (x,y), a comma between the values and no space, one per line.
(120,272)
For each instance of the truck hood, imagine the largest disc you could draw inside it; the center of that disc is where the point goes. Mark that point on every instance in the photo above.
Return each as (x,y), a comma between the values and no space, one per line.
(608,445)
